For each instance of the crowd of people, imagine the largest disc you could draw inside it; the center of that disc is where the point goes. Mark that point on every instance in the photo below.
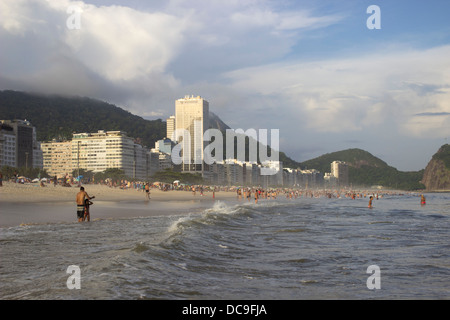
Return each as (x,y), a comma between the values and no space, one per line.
(242,193)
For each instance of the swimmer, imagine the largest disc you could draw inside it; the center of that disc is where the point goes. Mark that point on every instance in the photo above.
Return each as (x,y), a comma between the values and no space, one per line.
(370,202)
(422,200)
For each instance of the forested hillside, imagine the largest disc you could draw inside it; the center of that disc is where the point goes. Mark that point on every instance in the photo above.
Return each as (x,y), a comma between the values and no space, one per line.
(368,170)
(58,117)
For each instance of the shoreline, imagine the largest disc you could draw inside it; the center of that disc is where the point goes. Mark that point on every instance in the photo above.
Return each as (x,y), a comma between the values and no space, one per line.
(17,192)
(30,204)
(27,204)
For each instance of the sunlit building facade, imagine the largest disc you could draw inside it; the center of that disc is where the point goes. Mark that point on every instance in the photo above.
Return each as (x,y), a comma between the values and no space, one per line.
(192,116)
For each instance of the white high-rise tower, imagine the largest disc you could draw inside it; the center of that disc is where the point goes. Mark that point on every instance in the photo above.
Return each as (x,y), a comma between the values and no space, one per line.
(192,115)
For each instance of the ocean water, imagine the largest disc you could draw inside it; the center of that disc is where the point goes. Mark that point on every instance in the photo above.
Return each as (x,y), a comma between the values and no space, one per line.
(304,248)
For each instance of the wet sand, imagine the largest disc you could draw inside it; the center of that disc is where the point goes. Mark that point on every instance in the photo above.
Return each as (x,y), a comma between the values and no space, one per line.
(24,204)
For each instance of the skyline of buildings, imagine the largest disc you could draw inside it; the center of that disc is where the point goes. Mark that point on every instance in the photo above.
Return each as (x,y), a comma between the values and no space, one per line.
(103,150)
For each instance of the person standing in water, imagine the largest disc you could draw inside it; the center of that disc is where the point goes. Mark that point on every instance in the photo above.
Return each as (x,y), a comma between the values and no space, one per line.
(370,202)
(87,214)
(81,196)
(422,200)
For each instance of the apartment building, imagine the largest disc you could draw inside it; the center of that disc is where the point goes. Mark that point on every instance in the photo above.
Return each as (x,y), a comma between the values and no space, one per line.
(339,170)
(22,138)
(7,146)
(108,149)
(57,158)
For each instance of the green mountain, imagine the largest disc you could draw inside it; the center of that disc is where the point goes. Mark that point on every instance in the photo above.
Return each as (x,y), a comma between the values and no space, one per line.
(356,158)
(366,170)
(58,117)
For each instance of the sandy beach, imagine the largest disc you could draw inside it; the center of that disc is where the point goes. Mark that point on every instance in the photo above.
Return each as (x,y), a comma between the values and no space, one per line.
(25,204)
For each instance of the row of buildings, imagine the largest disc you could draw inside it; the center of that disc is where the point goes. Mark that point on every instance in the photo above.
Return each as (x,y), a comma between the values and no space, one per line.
(18,145)
(192,116)
(103,150)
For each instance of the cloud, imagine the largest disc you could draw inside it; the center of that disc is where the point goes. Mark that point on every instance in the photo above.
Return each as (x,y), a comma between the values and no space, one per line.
(141,58)
(432,114)
(116,42)
(357,93)
(123,44)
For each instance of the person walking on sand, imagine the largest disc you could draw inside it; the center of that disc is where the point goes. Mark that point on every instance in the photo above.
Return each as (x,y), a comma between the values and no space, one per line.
(147,190)
(81,196)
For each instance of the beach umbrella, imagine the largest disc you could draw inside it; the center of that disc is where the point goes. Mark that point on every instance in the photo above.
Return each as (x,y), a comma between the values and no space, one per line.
(35,180)
(22,177)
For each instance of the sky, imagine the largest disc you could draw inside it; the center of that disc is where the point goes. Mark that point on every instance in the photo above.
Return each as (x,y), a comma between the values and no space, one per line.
(316,70)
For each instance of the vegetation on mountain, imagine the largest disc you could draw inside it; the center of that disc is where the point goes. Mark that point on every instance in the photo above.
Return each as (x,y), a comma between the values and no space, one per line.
(367,170)
(57,117)
(355,157)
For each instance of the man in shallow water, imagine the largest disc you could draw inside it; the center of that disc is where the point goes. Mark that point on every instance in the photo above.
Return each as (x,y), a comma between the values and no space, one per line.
(81,196)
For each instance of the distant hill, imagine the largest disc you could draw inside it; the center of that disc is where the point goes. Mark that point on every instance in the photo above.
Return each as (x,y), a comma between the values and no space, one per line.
(58,117)
(367,170)
(437,173)
(357,158)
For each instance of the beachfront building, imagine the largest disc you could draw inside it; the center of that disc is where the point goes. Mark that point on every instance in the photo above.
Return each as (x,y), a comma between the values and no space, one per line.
(139,162)
(27,152)
(192,117)
(234,172)
(170,126)
(216,174)
(163,148)
(290,177)
(164,145)
(165,161)
(103,150)
(330,181)
(7,146)
(153,162)
(251,173)
(311,178)
(339,170)
(38,159)
(57,158)
(272,173)
(298,178)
